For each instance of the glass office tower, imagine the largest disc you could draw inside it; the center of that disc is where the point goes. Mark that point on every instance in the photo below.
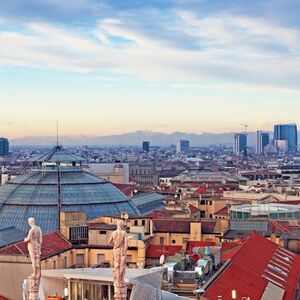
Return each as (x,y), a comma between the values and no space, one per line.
(262,140)
(287,132)
(240,143)
(146,146)
(4,147)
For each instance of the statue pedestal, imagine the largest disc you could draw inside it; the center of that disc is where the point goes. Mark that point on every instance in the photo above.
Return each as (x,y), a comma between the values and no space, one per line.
(120,292)
(34,284)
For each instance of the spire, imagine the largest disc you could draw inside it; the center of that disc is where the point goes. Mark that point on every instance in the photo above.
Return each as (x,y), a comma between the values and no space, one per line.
(57,133)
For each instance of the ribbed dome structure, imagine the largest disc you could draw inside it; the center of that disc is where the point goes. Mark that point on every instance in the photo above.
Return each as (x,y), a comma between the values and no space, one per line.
(58,183)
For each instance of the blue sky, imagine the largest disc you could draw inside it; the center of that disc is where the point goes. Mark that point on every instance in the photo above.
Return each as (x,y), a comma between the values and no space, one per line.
(103,67)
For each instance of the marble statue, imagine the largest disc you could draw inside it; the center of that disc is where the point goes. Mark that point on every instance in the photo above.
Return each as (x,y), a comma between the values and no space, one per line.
(120,244)
(34,243)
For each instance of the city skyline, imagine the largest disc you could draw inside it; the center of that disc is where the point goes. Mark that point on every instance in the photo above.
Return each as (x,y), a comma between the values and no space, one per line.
(108,67)
(136,138)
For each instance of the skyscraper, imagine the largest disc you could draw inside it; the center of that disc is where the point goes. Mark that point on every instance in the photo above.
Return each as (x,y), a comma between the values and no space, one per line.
(4,146)
(240,143)
(183,146)
(262,140)
(146,146)
(287,132)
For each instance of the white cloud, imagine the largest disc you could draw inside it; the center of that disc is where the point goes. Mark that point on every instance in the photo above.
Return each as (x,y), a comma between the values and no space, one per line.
(240,33)
(229,48)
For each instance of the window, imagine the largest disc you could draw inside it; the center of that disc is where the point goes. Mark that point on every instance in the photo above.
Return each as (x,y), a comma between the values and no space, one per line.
(173,242)
(102,232)
(129,258)
(143,222)
(162,240)
(210,202)
(100,258)
(65,262)
(79,259)
(210,216)
(54,264)
(135,222)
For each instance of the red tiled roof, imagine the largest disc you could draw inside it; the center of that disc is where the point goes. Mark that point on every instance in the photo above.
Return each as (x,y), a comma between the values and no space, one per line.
(155,251)
(171,225)
(208,226)
(229,249)
(276,225)
(228,254)
(229,245)
(200,191)
(193,209)
(53,243)
(248,265)
(295,202)
(222,212)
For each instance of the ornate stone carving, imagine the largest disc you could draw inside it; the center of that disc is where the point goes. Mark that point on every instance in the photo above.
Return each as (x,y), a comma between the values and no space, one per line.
(119,241)
(34,243)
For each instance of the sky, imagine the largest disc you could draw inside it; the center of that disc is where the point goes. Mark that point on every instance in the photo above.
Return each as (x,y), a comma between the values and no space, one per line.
(108,67)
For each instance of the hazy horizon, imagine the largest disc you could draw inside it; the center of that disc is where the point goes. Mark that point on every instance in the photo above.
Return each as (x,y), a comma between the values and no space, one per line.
(54,136)
(136,138)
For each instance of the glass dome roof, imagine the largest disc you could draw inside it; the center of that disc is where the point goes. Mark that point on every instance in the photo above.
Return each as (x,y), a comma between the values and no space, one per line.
(43,192)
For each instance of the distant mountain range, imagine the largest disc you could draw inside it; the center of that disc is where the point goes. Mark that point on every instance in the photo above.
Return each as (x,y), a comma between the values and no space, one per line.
(136,138)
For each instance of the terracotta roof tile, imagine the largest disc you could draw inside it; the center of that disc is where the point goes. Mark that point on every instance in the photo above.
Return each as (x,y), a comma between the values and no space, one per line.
(279,226)
(224,211)
(193,209)
(171,225)
(53,243)
(248,265)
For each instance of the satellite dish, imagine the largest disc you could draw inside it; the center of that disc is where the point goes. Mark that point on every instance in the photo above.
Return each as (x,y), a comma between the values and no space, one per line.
(162,259)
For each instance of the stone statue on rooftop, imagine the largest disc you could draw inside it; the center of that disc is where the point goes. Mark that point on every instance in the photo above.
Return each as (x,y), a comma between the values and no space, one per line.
(120,244)
(34,243)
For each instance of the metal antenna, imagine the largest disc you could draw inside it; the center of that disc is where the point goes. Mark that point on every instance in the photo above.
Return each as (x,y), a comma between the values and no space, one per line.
(56,132)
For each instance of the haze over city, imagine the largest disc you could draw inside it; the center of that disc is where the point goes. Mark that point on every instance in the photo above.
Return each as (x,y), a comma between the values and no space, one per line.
(112,67)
